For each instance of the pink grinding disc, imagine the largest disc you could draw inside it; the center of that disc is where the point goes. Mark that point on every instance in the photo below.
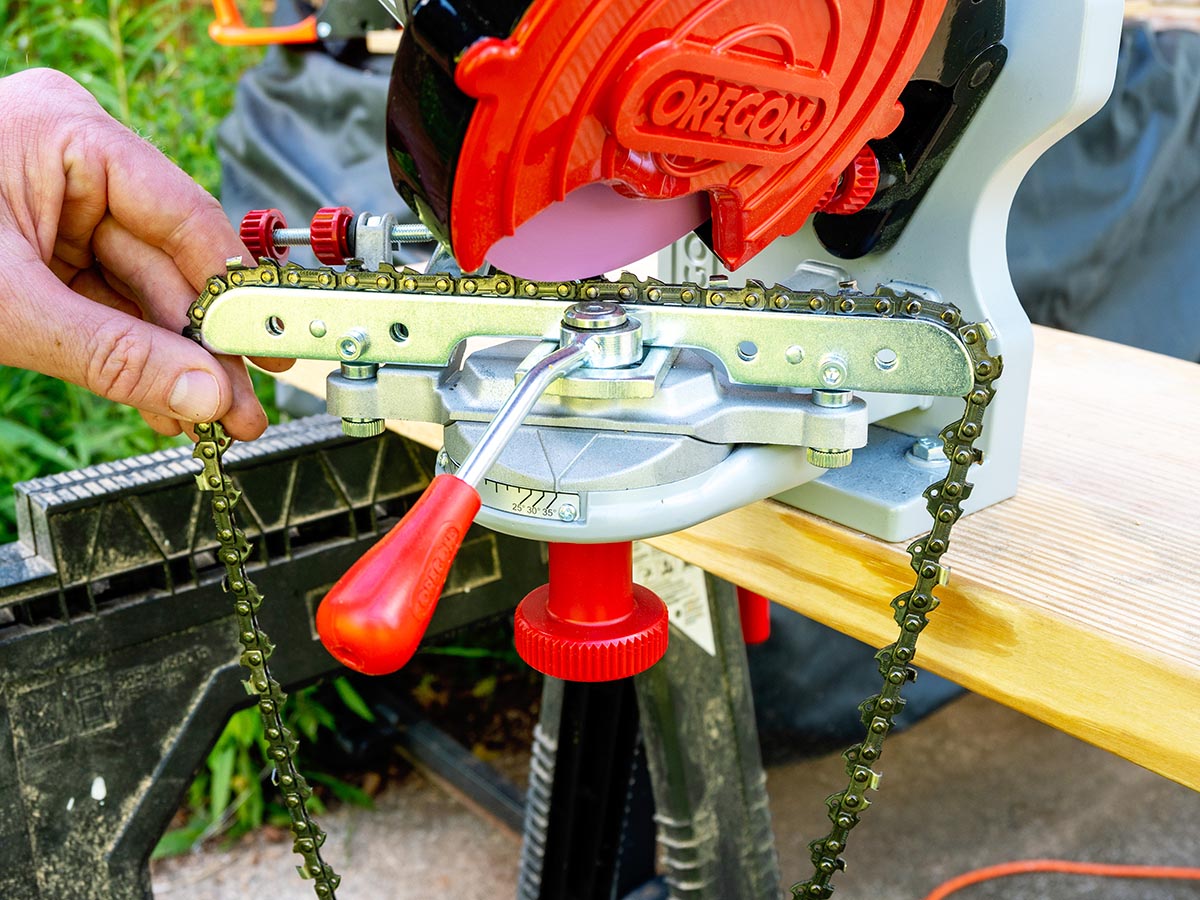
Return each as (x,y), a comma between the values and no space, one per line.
(595,230)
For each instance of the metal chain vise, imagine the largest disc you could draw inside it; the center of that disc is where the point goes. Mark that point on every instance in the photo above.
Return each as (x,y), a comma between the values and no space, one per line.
(945,499)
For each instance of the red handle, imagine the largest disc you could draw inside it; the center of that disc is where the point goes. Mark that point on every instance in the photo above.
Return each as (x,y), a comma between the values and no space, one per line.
(375,616)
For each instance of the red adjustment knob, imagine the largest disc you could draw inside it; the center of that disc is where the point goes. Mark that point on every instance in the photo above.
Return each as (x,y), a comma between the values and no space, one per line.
(856,187)
(755,612)
(591,622)
(375,616)
(258,234)
(330,233)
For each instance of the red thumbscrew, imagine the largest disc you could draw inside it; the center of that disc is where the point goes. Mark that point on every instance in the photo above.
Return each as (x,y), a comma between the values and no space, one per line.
(375,616)
(855,188)
(591,622)
(257,232)
(330,234)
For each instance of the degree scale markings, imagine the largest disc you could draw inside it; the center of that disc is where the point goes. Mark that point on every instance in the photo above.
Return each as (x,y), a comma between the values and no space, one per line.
(545,504)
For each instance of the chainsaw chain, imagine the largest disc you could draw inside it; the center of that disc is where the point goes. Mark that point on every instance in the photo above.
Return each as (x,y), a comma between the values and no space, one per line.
(944,498)
(211,444)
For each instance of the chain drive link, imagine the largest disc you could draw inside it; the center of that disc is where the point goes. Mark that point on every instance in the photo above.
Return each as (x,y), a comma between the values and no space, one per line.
(211,444)
(912,608)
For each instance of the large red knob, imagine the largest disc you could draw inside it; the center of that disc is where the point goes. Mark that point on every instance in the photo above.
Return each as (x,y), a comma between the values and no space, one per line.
(373,619)
(330,234)
(258,234)
(591,622)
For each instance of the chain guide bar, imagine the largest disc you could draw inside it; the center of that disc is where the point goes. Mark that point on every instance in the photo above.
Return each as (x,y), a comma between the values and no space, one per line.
(912,608)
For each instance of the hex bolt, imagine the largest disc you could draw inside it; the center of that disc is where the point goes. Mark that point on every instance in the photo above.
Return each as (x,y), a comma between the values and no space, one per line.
(928,451)
(833,371)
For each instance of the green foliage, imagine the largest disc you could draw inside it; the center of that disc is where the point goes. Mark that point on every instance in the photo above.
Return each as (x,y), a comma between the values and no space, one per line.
(149,63)
(231,795)
(49,426)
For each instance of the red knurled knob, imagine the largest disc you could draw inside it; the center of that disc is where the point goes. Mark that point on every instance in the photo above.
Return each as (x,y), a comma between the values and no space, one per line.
(258,234)
(330,233)
(591,623)
(856,187)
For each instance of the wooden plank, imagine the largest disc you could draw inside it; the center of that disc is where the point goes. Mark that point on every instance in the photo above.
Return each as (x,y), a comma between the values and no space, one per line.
(1164,14)
(1077,602)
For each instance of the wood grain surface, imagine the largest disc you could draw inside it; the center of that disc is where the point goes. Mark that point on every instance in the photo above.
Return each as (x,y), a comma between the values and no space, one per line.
(1077,602)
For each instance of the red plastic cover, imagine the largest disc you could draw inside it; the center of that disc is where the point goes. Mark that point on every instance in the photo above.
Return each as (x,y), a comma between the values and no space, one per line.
(759,103)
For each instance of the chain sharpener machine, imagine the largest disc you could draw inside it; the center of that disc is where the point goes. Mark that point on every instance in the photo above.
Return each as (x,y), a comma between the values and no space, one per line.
(852,161)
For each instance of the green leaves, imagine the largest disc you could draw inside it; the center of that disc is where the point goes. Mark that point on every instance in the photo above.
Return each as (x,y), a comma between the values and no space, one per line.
(49,426)
(232,794)
(150,63)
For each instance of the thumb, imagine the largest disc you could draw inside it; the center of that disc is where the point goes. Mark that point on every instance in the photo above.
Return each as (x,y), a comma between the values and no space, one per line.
(109,352)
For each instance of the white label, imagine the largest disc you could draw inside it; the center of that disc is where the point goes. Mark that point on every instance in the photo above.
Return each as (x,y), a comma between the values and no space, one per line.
(682,587)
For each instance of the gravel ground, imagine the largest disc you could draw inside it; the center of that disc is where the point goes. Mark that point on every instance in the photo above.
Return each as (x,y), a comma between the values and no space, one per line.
(973,785)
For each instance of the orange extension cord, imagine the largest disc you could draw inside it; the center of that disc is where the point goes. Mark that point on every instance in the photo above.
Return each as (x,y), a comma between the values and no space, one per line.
(1064,867)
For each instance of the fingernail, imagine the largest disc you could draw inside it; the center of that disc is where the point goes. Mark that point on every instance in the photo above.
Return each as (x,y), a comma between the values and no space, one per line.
(196,396)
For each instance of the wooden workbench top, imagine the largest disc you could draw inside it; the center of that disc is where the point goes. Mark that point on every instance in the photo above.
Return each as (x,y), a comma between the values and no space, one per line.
(1077,602)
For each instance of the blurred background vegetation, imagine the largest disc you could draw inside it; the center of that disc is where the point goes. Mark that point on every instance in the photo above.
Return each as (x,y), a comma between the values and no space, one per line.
(152,66)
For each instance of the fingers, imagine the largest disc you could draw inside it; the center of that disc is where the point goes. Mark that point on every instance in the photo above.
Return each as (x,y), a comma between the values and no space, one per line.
(164,425)
(51,329)
(272,364)
(156,201)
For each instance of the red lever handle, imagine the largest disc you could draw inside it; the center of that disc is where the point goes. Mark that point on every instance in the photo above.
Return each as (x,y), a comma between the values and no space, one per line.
(375,616)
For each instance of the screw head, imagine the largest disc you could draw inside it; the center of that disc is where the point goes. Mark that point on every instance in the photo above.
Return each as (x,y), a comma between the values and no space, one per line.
(352,345)
(833,371)
(568,512)
(928,449)
(595,314)
(443,460)
(794,354)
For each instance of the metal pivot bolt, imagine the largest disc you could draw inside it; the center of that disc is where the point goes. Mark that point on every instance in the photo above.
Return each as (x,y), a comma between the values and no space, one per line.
(830,457)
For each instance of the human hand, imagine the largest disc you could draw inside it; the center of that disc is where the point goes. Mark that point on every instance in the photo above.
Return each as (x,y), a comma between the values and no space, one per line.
(104,244)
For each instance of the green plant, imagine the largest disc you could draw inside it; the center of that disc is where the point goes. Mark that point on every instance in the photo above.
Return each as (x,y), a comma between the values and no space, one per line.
(149,63)
(230,795)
